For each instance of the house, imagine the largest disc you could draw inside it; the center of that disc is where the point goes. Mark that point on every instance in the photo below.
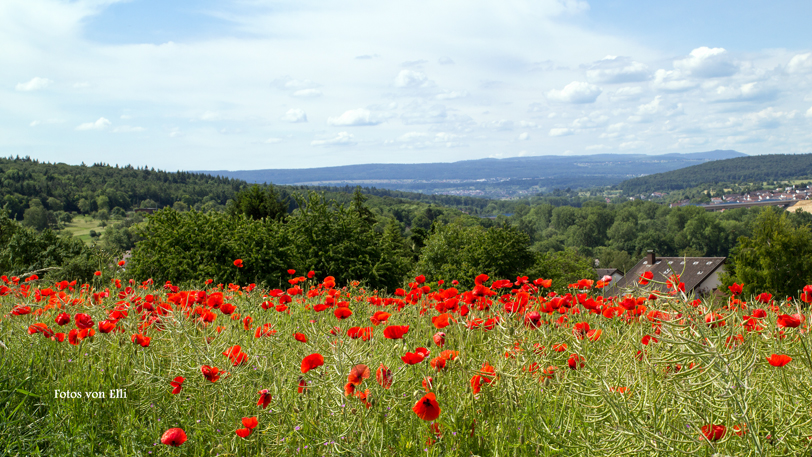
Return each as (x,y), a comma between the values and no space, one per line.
(700,274)
(614,273)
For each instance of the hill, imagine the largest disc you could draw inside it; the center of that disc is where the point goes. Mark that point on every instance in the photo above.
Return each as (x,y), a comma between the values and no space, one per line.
(763,168)
(493,178)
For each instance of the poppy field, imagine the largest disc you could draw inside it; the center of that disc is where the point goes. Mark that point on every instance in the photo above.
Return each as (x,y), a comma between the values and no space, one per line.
(119,367)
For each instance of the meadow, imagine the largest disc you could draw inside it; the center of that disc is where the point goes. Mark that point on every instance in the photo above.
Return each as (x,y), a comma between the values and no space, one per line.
(507,368)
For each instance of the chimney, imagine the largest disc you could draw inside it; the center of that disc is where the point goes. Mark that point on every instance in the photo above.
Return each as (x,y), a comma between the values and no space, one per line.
(650,257)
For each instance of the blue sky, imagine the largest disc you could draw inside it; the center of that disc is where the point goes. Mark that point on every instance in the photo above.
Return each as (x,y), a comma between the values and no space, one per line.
(249,84)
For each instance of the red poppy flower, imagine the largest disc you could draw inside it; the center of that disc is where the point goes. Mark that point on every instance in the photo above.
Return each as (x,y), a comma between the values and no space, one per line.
(300,337)
(98,273)
(210,373)
(364,333)
(439,339)
(107,326)
(790,321)
(291,271)
(759,313)
(312,361)
(735,289)
(177,384)
(63,319)
(379,317)
(714,432)
(764,297)
(779,360)
(141,340)
(173,437)
(384,376)
(227,308)
(575,361)
(648,339)
(342,313)
(646,277)
(561,347)
(395,332)
(250,423)
(302,386)
(264,330)
(594,334)
(427,407)
(40,328)
(412,358)
(358,374)
(83,321)
(264,398)
(580,329)
(238,263)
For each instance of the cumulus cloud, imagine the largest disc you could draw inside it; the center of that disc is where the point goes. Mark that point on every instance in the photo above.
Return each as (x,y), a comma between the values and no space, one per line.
(307,93)
(616,70)
(768,118)
(744,92)
(672,81)
(354,117)
(800,63)
(35,84)
(295,115)
(592,121)
(412,79)
(707,62)
(342,139)
(524,136)
(626,93)
(100,124)
(500,125)
(647,111)
(809,112)
(561,132)
(576,92)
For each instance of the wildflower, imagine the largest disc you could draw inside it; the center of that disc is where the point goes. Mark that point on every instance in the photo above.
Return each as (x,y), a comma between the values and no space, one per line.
(790,321)
(713,432)
(646,277)
(575,361)
(358,374)
(384,376)
(210,373)
(439,339)
(63,318)
(779,360)
(250,423)
(300,337)
(173,437)
(395,332)
(312,361)
(238,263)
(427,407)
(177,384)
(264,398)
(735,289)
(83,321)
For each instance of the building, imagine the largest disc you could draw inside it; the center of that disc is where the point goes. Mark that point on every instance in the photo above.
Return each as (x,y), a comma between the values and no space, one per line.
(614,273)
(700,274)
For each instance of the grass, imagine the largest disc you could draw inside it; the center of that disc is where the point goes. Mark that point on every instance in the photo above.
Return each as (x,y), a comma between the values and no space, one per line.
(81,226)
(620,402)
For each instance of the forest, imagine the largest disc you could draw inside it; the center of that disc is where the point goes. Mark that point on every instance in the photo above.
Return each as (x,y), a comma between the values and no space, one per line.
(383,236)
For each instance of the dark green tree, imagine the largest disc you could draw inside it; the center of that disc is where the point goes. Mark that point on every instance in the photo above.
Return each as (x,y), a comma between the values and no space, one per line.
(256,203)
(775,259)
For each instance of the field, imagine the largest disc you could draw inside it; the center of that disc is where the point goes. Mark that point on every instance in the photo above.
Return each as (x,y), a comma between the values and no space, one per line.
(504,369)
(81,226)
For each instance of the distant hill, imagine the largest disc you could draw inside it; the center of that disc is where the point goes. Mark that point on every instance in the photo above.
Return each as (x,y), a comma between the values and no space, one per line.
(772,167)
(487,177)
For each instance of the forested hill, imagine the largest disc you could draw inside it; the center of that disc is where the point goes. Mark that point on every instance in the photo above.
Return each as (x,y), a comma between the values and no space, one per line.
(565,171)
(772,167)
(85,189)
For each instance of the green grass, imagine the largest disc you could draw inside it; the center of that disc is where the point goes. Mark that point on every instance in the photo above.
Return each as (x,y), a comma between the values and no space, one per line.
(691,378)
(81,226)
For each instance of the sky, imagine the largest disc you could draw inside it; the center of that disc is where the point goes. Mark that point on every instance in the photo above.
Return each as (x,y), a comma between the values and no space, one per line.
(255,84)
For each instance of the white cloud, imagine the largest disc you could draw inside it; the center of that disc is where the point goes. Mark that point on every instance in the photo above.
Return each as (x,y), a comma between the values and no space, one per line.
(128,129)
(707,62)
(307,93)
(809,112)
(35,84)
(530,124)
(354,117)
(342,139)
(626,93)
(295,115)
(632,144)
(576,92)
(615,70)
(500,125)
(768,118)
(648,111)
(412,79)
(592,121)
(561,132)
(81,85)
(412,136)
(524,136)
(597,147)
(744,92)
(273,140)
(672,81)
(800,63)
(100,124)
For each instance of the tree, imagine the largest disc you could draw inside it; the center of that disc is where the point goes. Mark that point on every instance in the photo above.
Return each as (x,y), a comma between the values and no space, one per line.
(258,204)
(774,259)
